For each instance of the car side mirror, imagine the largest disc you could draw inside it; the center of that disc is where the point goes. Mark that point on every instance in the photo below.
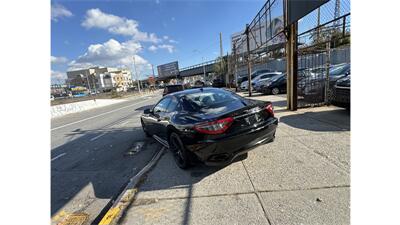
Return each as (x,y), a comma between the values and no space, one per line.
(148,111)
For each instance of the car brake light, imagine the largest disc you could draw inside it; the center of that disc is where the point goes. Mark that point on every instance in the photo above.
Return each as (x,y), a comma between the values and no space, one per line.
(215,127)
(270,109)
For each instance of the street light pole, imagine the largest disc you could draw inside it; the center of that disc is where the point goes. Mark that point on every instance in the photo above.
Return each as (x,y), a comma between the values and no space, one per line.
(137,77)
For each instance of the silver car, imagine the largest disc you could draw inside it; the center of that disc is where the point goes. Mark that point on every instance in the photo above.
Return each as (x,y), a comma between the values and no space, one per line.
(258,81)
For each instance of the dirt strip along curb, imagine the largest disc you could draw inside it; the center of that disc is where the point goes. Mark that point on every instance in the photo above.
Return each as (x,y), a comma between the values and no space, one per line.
(125,198)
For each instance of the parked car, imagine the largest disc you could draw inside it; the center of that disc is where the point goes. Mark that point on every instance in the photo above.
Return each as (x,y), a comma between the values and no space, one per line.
(218,82)
(212,125)
(254,74)
(342,92)
(255,77)
(275,85)
(315,86)
(173,88)
(256,83)
(201,83)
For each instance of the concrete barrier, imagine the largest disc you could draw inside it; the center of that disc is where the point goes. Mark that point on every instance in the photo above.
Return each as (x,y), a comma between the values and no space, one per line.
(61,110)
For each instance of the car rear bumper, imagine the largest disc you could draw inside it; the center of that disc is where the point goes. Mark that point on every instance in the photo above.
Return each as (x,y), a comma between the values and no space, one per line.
(224,151)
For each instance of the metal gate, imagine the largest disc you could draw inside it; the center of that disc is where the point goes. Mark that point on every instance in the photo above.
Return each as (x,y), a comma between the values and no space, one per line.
(313,77)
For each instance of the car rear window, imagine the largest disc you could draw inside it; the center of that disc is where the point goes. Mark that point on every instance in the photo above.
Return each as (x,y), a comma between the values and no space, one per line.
(207,100)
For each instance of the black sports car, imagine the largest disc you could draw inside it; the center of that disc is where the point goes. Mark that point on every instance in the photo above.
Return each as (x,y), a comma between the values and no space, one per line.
(276,85)
(212,125)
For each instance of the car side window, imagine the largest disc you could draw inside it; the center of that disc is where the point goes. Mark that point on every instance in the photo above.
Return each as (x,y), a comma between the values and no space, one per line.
(162,105)
(173,105)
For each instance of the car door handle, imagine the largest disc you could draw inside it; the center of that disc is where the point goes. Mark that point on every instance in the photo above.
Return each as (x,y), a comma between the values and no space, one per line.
(158,119)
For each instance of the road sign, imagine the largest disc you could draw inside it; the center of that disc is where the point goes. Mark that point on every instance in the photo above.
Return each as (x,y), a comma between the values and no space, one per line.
(299,8)
(168,70)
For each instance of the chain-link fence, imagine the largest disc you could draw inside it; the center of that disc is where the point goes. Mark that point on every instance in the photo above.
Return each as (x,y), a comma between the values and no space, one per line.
(323,51)
(323,39)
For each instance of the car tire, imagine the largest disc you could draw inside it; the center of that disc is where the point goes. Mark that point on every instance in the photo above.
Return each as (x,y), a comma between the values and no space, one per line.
(144,129)
(275,91)
(181,155)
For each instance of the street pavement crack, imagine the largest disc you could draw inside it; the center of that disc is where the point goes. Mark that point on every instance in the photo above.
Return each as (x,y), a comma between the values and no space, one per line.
(265,210)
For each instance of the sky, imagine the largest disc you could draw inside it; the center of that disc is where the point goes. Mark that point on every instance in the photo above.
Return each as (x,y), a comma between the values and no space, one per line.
(154,32)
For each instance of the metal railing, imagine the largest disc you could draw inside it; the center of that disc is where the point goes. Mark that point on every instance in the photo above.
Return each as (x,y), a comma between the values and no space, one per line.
(199,65)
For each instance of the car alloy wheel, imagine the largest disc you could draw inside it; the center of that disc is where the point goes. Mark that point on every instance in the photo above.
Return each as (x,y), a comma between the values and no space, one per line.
(275,91)
(179,151)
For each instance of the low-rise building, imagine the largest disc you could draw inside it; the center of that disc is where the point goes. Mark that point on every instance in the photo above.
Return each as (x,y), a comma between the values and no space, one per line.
(101,78)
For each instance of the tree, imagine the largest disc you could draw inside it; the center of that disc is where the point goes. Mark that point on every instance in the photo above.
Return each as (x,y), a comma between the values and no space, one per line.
(220,66)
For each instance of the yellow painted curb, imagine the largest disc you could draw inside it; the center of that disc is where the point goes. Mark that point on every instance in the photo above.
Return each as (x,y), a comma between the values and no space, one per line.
(110,216)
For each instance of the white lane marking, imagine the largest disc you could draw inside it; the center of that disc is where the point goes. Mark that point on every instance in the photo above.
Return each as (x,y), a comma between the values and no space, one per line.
(98,136)
(60,155)
(124,123)
(92,117)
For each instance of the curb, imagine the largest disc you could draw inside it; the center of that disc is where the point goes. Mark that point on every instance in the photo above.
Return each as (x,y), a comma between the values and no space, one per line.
(126,197)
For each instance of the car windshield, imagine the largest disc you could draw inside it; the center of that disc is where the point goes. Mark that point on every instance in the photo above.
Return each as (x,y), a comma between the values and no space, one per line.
(208,99)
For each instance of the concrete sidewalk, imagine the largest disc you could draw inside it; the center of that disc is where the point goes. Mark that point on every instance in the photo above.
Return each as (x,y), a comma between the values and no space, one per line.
(303,177)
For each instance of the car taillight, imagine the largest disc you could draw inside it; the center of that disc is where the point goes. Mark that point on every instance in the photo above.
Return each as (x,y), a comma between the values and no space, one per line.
(270,109)
(215,127)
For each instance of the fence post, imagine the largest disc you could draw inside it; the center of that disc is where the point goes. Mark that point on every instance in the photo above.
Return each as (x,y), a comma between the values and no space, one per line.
(291,67)
(248,59)
(328,62)
(344,27)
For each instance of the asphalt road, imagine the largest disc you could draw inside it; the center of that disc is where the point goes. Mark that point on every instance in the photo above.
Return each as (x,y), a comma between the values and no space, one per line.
(90,160)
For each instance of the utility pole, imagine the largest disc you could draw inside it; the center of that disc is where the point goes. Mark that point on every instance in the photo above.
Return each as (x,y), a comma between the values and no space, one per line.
(248,58)
(152,68)
(318,23)
(137,77)
(292,61)
(222,58)
(235,65)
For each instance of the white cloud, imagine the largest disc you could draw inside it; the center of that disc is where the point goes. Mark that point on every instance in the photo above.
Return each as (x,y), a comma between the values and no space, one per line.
(172,18)
(58,76)
(95,18)
(58,60)
(170,48)
(153,48)
(165,37)
(59,11)
(111,54)
(172,41)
